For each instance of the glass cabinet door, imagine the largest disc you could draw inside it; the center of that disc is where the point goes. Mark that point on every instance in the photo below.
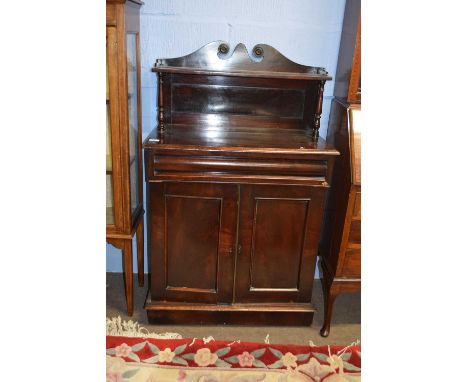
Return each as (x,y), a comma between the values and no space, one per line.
(110,37)
(133,119)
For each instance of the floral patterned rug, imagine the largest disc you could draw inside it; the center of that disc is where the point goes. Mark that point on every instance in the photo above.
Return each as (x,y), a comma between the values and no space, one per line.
(146,359)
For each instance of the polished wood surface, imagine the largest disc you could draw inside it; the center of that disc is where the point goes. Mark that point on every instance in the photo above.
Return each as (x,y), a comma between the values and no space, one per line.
(236,183)
(238,102)
(218,57)
(278,236)
(245,136)
(286,314)
(193,232)
(340,244)
(122,18)
(210,88)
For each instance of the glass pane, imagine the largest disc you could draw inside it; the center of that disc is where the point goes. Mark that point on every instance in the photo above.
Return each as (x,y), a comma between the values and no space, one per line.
(133,118)
(109,188)
(355,122)
(110,200)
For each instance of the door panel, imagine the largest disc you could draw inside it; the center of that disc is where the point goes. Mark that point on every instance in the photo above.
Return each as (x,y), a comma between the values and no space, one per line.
(276,221)
(193,233)
(278,237)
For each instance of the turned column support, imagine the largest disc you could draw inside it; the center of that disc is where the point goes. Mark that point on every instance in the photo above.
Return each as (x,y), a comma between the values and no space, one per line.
(318,110)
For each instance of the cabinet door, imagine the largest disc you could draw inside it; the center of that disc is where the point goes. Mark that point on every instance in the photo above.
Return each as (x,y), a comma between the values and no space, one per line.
(113,171)
(278,238)
(192,231)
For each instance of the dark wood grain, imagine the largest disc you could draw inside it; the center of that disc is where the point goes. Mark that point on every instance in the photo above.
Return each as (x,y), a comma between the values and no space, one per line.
(211,100)
(235,138)
(287,103)
(236,183)
(288,314)
(193,232)
(218,57)
(278,234)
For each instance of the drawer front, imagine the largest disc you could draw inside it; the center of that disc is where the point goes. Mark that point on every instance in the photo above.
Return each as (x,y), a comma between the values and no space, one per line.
(219,168)
(256,166)
(351,264)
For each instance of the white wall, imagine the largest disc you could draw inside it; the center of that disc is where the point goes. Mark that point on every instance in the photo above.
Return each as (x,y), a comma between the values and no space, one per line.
(305,31)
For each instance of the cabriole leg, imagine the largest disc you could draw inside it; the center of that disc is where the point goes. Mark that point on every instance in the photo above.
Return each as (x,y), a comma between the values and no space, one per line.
(329,296)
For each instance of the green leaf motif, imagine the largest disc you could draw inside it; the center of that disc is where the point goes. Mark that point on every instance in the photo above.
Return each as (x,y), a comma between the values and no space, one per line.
(153,348)
(276,365)
(258,353)
(320,356)
(152,359)
(180,349)
(133,357)
(350,367)
(232,359)
(258,363)
(110,351)
(221,363)
(179,361)
(223,351)
(345,356)
(188,356)
(302,357)
(277,353)
(138,347)
(130,373)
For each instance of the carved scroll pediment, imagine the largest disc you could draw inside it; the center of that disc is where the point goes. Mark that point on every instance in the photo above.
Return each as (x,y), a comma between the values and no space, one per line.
(218,56)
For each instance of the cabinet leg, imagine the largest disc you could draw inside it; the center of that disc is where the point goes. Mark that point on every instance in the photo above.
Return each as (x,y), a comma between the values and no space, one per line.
(329,296)
(128,274)
(140,253)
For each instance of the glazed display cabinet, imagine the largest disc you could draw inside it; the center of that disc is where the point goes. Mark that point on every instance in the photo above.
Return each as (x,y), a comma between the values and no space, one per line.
(124,208)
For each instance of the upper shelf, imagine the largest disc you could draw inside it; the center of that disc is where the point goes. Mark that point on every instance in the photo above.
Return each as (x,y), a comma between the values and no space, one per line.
(218,58)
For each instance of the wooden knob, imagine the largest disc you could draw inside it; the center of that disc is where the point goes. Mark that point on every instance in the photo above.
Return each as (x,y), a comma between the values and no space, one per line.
(223,48)
(258,51)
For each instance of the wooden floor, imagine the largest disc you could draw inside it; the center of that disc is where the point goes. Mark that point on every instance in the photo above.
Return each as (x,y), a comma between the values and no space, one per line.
(346,323)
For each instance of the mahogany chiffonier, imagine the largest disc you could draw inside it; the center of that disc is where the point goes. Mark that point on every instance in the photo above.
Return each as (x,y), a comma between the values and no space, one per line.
(236,178)
(124,170)
(340,244)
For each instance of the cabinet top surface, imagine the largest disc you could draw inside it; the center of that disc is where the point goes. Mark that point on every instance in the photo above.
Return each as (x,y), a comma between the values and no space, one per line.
(218,57)
(245,139)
